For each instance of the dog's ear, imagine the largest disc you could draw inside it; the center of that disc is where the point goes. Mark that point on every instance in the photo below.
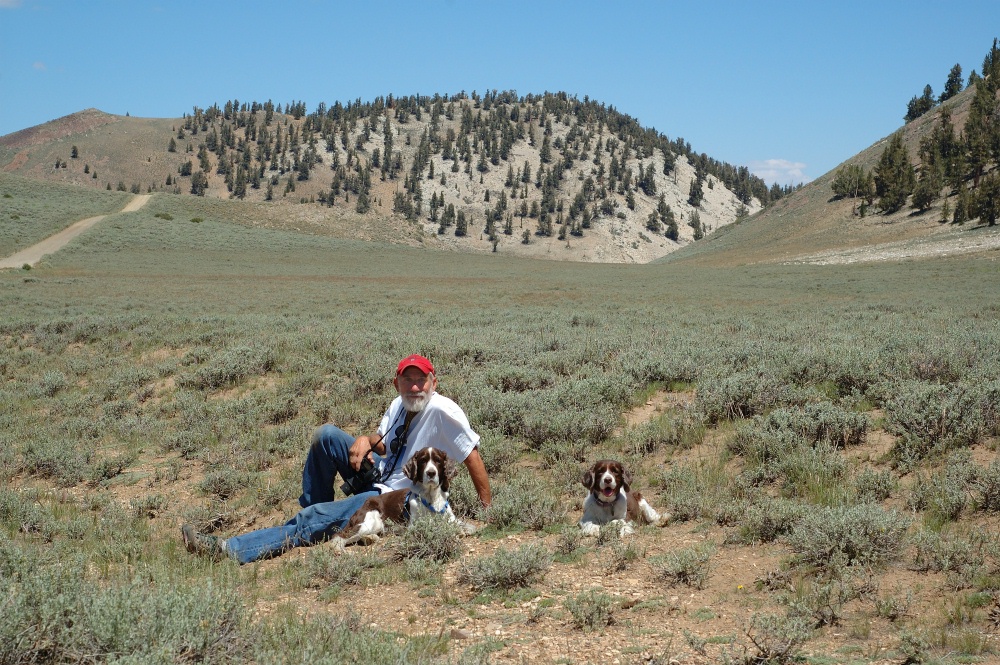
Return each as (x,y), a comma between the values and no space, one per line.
(588,478)
(410,469)
(626,480)
(448,472)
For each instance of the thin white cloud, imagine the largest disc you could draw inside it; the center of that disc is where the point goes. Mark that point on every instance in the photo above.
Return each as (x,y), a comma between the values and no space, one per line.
(781,171)
(39,65)
(10,4)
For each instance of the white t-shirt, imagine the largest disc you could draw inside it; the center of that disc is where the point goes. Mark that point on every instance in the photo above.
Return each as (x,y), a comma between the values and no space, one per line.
(442,424)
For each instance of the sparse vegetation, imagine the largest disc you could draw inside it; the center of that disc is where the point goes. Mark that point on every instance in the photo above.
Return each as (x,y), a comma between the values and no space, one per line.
(792,419)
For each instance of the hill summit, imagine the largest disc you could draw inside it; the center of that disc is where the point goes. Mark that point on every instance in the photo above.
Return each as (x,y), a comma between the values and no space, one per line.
(545,175)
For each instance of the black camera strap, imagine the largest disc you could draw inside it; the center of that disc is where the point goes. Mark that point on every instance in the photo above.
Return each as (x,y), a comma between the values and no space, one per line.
(397,450)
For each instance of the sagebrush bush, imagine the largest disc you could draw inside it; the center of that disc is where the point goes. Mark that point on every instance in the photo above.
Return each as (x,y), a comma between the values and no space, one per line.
(766,520)
(155,623)
(863,534)
(987,488)
(429,537)
(818,422)
(939,553)
(775,639)
(324,567)
(50,456)
(871,486)
(506,569)
(232,367)
(591,610)
(691,492)
(688,566)
(935,417)
(743,395)
(945,492)
(677,430)
(525,500)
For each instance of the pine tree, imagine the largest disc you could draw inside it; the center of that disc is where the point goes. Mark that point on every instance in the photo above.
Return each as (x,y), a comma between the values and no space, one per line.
(920,105)
(953,85)
(695,193)
(987,203)
(894,175)
(962,204)
(981,130)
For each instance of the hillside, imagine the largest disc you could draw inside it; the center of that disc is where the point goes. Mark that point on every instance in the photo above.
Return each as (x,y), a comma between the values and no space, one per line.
(811,225)
(545,176)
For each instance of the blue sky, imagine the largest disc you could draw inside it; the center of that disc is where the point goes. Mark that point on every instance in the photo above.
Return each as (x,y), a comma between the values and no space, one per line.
(790,89)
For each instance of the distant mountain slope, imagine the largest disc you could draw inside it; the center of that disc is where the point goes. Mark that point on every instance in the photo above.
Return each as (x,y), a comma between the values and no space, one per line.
(539,175)
(812,226)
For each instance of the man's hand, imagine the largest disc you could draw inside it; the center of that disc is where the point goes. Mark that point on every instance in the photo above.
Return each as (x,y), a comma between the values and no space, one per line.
(360,449)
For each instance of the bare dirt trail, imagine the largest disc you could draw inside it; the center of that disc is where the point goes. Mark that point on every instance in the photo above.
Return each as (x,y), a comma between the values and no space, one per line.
(32,255)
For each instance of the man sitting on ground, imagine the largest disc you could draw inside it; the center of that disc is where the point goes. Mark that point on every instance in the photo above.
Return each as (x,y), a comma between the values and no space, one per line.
(418,418)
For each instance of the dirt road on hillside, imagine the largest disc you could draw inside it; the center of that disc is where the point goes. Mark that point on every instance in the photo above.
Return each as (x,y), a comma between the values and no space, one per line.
(32,255)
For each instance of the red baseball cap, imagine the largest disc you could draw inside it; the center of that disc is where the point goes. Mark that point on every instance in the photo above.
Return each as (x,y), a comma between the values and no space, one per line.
(421,363)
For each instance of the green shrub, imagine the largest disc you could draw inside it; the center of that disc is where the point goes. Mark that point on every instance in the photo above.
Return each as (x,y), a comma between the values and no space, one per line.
(151,623)
(944,494)
(47,456)
(225,483)
(937,553)
(21,512)
(691,492)
(429,537)
(525,500)
(499,452)
(776,639)
(324,567)
(815,474)
(766,520)
(51,383)
(688,566)
(506,569)
(932,417)
(743,395)
(591,610)
(894,606)
(674,430)
(822,601)
(232,367)
(864,534)
(913,646)
(819,422)
(871,486)
(987,488)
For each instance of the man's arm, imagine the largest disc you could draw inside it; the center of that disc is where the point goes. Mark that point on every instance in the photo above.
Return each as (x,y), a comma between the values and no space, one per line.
(480,479)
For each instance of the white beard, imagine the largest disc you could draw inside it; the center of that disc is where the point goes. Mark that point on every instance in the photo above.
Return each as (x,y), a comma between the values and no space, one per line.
(415,403)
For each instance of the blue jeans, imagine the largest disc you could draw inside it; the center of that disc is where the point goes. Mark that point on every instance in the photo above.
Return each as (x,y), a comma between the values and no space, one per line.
(321,516)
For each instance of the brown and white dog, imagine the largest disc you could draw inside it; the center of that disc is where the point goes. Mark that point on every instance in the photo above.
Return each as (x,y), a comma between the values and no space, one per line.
(611,499)
(429,470)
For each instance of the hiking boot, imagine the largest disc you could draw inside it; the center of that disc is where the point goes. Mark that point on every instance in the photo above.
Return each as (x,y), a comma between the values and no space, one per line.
(202,543)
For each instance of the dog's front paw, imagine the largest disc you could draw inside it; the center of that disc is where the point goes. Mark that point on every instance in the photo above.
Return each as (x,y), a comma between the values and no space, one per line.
(590,529)
(663,520)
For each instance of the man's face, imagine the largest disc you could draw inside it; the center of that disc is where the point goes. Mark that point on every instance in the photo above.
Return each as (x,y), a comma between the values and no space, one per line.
(415,388)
